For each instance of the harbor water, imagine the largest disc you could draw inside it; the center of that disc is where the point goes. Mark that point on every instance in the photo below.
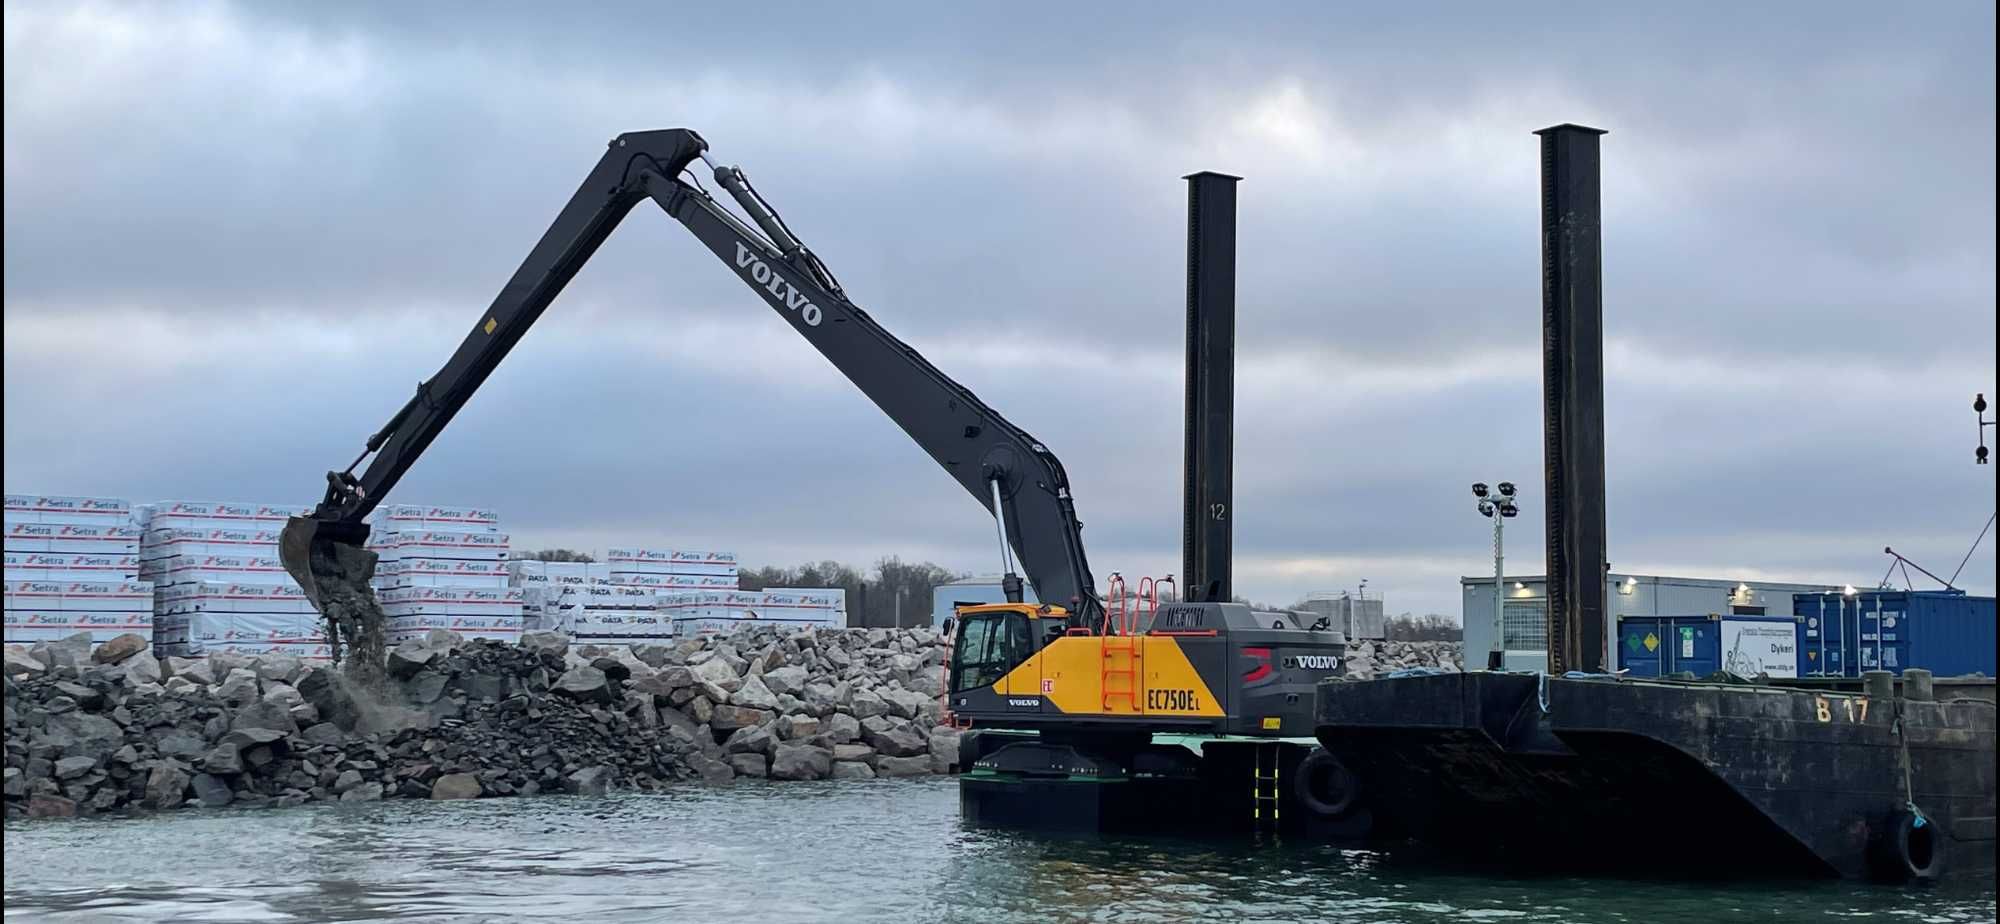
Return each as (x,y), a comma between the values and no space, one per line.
(884,850)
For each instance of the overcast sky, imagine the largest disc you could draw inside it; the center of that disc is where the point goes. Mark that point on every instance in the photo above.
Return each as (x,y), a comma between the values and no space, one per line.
(237,236)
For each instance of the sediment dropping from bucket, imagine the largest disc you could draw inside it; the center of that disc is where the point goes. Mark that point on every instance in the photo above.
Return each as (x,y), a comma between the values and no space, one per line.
(355,623)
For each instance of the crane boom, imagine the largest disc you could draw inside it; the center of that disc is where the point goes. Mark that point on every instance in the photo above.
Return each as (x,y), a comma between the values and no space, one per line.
(1008,471)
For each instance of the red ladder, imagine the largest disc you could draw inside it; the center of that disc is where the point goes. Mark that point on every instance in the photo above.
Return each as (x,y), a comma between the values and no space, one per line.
(1122,641)
(1135,662)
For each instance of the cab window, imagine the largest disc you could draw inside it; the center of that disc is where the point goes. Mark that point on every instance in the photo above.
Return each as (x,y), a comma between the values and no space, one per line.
(989,645)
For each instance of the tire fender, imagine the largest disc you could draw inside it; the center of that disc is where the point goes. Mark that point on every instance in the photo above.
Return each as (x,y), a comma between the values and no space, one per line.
(1909,848)
(1324,786)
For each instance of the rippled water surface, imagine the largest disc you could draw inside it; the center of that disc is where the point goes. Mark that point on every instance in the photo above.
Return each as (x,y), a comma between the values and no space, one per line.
(880,851)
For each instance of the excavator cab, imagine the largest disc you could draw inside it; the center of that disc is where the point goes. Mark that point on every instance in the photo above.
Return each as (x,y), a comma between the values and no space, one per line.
(991,640)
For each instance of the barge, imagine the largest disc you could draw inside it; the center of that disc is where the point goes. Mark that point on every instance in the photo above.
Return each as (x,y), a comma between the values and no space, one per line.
(1600,774)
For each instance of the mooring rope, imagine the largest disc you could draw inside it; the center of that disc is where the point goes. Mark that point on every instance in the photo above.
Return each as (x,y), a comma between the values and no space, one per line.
(1902,731)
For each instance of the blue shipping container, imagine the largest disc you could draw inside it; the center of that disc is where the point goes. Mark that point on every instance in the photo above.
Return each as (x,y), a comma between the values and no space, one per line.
(1654,646)
(1947,633)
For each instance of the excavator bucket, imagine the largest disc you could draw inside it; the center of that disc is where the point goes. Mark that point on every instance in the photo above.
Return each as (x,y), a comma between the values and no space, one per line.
(326,557)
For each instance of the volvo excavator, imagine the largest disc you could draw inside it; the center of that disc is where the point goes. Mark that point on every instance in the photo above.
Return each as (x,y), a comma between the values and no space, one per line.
(1206,700)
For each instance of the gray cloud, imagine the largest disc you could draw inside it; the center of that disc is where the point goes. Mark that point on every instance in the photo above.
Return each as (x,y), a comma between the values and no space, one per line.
(1799,251)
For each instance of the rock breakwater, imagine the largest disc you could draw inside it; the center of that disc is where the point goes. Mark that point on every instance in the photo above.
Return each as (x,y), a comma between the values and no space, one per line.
(112,728)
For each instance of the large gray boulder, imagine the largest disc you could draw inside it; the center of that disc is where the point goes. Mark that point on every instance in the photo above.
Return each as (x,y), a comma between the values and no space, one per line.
(663,683)
(141,669)
(944,743)
(589,781)
(755,765)
(278,667)
(239,688)
(221,663)
(166,784)
(867,704)
(211,790)
(902,667)
(754,694)
(222,760)
(895,739)
(325,733)
(902,766)
(749,741)
(84,734)
(412,656)
(800,762)
(249,737)
(20,663)
(819,697)
(786,680)
(184,746)
(585,683)
(851,770)
(283,695)
(904,704)
(327,692)
(266,714)
(196,670)
(730,718)
(716,679)
(797,727)
(554,642)
(456,786)
(70,768)
(72,651)
(710,769)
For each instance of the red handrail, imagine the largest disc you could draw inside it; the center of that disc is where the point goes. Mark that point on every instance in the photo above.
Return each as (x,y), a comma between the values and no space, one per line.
(1115,608)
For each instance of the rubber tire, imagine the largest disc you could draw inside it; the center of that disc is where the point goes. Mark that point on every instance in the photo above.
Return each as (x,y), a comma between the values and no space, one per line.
(1321,765)
(1906,852)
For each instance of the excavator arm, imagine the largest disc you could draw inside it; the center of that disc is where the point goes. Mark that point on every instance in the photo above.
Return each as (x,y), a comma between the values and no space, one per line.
(1008,471)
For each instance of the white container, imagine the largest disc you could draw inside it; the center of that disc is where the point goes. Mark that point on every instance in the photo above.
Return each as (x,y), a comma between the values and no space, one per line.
(274,629)
(670,561)
(70,566)
(416,517)
(182,569)
(223,515)
(232,597)
(456,601)
(52,508)
(45,625)
(169,542)
(107,596)
(71,537)
(665,581)
(437,572)
(451,544)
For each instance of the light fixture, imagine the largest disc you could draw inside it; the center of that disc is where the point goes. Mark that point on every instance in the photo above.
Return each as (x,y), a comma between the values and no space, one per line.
(1506,489)
(1520,586)
(1848,590)
(1486,508)
(1479,489)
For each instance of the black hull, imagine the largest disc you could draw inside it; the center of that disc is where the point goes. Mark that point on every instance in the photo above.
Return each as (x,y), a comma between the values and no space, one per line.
(1663,778)
(1168,791)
